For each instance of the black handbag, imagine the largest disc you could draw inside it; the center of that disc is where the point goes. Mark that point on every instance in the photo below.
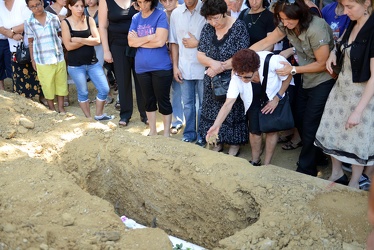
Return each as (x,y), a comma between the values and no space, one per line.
(22,53)
(220,85)
(281,118)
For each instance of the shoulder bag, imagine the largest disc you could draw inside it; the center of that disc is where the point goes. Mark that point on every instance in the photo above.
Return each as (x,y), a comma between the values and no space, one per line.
(281,118)
(220,85)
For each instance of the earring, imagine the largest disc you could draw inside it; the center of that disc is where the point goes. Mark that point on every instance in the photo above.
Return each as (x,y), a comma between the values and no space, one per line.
(366,12)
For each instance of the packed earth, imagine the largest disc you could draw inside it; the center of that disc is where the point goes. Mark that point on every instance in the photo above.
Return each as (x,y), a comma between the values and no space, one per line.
(66,180)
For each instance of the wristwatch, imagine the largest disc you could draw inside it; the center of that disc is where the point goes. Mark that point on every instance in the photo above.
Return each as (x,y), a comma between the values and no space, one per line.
(293,71)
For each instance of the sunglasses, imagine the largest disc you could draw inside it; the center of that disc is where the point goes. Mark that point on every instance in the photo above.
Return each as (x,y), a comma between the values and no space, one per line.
(247,78)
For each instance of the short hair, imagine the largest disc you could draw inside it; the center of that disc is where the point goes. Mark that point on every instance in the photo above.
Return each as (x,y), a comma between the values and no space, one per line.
(154,3)
(245,60)
(27,2)
(295,10)
(213,7)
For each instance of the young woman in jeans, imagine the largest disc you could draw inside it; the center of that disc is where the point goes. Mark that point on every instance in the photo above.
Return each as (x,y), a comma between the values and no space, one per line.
(80,35)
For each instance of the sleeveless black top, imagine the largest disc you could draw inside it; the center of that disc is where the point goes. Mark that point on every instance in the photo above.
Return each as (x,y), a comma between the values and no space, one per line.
(84,55)
(119,23)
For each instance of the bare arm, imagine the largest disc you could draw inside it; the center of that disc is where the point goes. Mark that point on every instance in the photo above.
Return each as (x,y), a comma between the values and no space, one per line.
(92,40)
(103,30)
(66,38)
(271,105)
(31,49)
(214,67)
(224,111)
(156,40)
(321,54)
(355,117)
(175,57)
(268,41)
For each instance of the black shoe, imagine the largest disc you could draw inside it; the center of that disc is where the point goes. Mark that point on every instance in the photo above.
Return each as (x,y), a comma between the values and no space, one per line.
(256,164)
(200,143)
(144,120)
(343,180)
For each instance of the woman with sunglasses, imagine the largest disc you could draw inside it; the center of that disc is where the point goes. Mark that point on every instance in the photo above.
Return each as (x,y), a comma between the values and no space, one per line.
(312,38)
(347,125)
(247,68)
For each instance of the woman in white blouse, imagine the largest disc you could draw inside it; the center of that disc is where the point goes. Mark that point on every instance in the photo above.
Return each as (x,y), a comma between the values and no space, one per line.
(247,68)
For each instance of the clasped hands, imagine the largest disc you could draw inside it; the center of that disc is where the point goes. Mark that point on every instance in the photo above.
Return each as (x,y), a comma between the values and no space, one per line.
(216,68)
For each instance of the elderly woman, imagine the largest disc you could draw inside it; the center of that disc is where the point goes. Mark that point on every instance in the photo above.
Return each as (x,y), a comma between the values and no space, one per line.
(247,68)
(149,32)
(312,38)
(220,39)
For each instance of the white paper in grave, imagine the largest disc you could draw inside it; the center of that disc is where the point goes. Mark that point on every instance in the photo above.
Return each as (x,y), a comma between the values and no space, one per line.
(131,224)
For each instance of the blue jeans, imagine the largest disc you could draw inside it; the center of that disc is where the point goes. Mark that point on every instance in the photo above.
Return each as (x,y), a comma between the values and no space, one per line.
(176,102)
(97,76)
(189,89)
(5,60)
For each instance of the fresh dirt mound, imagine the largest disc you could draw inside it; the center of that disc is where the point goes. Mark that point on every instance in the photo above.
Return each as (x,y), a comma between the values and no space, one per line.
(64,181)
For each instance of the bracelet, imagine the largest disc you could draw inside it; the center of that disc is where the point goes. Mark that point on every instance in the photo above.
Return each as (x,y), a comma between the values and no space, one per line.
(279,96)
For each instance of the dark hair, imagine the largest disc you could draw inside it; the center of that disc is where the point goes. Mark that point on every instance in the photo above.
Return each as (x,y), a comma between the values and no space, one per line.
(265,3)
(27,2)
(213,7)
(154,3)
(295,11)
(245,60)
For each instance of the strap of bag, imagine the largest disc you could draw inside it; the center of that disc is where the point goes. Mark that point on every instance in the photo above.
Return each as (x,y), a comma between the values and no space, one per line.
(264,96)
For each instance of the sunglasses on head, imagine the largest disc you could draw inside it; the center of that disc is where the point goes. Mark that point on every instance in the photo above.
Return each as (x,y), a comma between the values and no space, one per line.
(287,2)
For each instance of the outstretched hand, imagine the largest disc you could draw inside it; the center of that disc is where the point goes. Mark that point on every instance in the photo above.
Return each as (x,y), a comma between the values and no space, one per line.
(212,135)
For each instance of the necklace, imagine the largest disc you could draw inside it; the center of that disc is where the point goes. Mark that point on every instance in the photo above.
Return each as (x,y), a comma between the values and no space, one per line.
(253,22)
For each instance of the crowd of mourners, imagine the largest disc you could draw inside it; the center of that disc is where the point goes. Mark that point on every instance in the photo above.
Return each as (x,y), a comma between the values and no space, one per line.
(316,57)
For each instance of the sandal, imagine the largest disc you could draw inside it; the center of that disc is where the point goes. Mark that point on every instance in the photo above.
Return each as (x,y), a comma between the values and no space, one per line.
(290,145)
(175,129)
(117,105)
(123,123)
(256,164)
(284,138)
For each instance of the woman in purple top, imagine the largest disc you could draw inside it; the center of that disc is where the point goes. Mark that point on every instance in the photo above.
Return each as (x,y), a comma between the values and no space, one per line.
(148,33)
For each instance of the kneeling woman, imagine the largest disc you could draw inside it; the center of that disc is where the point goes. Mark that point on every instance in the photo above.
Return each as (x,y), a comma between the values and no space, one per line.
(247,68)
(80,35)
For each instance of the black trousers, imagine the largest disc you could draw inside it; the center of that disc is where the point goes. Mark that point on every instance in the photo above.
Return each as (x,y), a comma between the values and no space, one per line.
(156,90)
(123,66)
(310,105)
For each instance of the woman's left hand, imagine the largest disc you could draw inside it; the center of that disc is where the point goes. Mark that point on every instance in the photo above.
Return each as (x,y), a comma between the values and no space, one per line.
(286,70)
(133,33)
(270,107)
(353,120)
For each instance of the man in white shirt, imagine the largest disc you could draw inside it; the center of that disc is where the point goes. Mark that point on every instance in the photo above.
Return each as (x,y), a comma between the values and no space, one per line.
(186,24)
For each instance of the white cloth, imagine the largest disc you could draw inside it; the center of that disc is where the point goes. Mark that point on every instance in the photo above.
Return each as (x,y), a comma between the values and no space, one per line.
(16,16)
(183,21)
(274,84)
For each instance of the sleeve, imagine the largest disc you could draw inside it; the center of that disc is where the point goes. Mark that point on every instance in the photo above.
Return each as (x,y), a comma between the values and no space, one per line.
(233,90)
(172,31)
(203,43)
(319,34)
(242,35)
(371,45)
(270,23)
(134,22)
(275,62)
(28,31)
(26,12)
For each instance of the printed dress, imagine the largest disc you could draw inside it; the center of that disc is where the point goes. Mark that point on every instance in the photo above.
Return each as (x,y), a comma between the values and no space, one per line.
(234,129)
(354,145)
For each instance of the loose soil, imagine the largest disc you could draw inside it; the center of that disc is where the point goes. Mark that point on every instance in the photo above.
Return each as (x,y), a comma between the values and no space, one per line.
(65,180)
